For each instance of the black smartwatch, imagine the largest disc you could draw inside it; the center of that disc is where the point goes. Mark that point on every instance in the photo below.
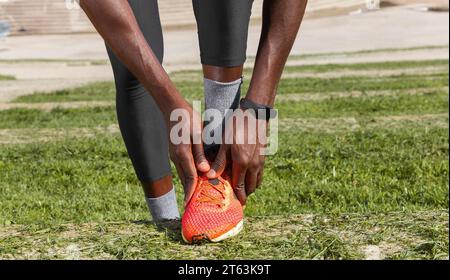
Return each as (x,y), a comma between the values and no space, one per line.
(258,109)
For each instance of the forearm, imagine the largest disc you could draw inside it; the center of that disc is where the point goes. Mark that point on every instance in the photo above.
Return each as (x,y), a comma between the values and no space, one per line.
(281,22)
(116,23)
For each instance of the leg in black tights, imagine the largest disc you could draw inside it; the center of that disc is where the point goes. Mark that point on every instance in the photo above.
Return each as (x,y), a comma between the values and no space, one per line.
(140,120)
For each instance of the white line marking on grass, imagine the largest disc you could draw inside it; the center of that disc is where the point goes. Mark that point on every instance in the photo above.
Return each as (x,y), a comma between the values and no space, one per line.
(48,106)
(369,72)
(296,97)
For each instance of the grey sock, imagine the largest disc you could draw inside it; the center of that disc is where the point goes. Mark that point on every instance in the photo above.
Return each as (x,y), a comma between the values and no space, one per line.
(220,96)
(164,207)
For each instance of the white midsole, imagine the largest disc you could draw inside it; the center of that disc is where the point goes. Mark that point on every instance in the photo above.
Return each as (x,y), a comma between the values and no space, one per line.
(233,232)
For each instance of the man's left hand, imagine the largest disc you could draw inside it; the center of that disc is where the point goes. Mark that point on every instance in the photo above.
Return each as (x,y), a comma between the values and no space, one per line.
(244,156)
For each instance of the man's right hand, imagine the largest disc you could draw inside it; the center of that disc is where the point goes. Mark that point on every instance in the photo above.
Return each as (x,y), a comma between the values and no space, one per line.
(188,156)
(116,23)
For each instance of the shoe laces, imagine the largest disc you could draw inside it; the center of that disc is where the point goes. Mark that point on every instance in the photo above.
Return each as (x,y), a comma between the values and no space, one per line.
(207,197)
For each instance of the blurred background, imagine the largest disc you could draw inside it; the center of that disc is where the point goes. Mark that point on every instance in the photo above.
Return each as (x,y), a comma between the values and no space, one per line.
(361,171)
(59,30)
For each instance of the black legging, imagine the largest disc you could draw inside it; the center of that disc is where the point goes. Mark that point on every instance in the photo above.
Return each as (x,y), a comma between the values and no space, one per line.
(222,30)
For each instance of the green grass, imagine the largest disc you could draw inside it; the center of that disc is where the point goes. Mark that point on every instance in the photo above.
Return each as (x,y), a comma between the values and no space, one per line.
(435,102)
(389,65)
(367,106)
(294,237)
(328,193)
(97,91)
(7,78)
(323,68)
(96,174)
(57,118)
(311,85)
(193,89)
(363,52)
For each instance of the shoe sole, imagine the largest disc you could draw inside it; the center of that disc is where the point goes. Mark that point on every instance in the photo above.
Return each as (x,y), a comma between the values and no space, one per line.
(231,233)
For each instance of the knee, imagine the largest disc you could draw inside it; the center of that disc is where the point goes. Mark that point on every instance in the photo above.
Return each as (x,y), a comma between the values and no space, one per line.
(223,31)
(226,52)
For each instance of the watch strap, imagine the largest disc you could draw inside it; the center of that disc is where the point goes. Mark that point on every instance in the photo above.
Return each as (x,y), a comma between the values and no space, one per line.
(270,113)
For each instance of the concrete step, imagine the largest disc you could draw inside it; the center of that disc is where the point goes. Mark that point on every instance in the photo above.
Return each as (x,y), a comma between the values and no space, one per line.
(54,16)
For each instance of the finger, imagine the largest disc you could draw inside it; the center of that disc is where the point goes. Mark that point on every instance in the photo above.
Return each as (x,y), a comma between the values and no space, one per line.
(251,179)
(262,161)
(238,182)
(259,180)
(190,184)
(180,173)
(219,164)
(190,175)
(200,158)
(198,151)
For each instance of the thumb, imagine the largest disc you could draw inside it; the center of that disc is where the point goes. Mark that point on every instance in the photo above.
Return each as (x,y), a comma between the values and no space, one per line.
(200,159)
(219,163)
(189,189)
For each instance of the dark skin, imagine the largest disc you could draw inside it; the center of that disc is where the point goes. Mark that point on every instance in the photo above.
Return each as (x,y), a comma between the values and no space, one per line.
(222,74)
(158,188)
(281,22)
(115,22)
(162,186)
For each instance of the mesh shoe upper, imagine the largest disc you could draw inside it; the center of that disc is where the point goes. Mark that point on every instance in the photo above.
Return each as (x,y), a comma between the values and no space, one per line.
(212,211)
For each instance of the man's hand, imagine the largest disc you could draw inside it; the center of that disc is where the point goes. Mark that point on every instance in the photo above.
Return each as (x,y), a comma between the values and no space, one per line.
(187,156)
(281,22)
(244,156)
(116,23)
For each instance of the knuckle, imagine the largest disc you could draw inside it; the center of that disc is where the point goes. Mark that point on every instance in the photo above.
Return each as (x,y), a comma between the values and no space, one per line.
(255,164)
(199,157)
(240,187)
(181,153)
(242,160)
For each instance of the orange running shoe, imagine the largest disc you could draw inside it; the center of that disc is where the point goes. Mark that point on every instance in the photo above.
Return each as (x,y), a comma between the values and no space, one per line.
(213,213)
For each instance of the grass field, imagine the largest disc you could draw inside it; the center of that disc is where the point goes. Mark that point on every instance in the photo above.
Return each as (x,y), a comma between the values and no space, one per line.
(6,77)
(361,172)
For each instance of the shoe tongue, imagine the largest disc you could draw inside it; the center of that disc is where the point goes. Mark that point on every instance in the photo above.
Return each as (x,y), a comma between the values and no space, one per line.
(210,187)
(214,182)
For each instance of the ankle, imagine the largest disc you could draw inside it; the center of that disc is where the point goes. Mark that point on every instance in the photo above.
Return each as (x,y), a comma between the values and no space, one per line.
(157,188)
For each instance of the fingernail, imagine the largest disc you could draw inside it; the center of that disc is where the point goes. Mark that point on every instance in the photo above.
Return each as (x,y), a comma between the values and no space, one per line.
(211,174)
(205,166)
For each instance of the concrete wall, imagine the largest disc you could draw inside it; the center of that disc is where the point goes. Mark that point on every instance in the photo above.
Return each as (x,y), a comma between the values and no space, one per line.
(42,17)
(63,16)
